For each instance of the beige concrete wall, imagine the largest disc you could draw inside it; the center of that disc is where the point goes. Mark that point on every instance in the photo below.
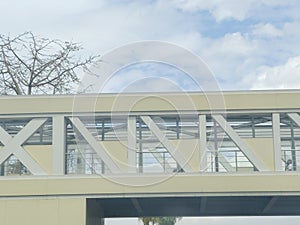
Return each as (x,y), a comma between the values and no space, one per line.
(189,148)
(41,154)
(42,211)
(154,184)
(251,100)
(118,152)
(263,149)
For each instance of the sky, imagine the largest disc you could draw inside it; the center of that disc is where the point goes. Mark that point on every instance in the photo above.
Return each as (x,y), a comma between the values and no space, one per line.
(248,44)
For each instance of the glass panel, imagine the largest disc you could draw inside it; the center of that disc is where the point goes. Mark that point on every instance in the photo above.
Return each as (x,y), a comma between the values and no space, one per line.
(12,167)
(290,143)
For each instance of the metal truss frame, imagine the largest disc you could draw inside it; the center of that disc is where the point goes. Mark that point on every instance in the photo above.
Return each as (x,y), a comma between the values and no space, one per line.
(14,145)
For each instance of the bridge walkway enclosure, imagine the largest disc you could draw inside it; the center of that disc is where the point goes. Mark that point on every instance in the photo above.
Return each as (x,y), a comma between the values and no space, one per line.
(78,159)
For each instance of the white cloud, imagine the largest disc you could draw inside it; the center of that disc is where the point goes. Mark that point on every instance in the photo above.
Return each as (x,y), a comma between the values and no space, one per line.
(286,76)
(231,53)
(192,40)
(19,16)
(231,9)
(266,30)
(150,77)
(291,37)
(233,45)
(219,9)
(229,57)
(235,55)
(111,25)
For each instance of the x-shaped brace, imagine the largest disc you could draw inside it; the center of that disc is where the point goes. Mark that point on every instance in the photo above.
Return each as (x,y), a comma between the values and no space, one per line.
(13,146)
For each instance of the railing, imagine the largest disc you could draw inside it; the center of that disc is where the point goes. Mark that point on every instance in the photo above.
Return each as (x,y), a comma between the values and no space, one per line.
(76,143)
(291,159)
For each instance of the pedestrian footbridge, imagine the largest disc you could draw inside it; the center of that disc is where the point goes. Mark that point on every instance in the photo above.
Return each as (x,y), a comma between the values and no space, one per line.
(77,159)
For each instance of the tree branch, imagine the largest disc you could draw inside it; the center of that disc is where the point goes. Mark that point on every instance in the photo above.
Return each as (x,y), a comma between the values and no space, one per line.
(33,65)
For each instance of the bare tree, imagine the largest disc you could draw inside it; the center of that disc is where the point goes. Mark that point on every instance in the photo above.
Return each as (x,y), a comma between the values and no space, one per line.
(33,65)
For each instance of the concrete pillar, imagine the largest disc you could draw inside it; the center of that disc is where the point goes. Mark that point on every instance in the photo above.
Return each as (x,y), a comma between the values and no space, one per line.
(94,213)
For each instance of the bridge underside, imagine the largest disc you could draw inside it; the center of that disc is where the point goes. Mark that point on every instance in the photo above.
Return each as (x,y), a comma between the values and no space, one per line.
(195,206)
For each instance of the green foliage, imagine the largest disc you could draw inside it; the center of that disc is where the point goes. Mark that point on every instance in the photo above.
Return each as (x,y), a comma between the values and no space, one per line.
(148,220)
(166,220)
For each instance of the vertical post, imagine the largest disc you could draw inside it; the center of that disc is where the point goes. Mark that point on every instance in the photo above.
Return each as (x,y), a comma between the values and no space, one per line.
(253,127)
(131,151)
(293,145)
(58,144)
(103,130)
(276,141)
(102,221)
(141,162)
(216,147)
(202,145)
(177,128)
(178,137)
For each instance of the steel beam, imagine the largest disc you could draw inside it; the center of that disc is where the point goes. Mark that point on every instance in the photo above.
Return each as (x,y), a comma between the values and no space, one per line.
(202,144)
(203,205)
(224,162)
(132,146)
(13,146)
(295,117)
(99,149)
(175,153)
(241,144)
(58,145)
(276,141)
(159,157)
(137,205)
(270,204)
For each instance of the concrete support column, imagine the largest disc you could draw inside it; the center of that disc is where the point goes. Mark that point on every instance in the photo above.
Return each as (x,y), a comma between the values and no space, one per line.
(94,213)
(202,145)
(276,141)
(95,221)
(132,146)
(59,145)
